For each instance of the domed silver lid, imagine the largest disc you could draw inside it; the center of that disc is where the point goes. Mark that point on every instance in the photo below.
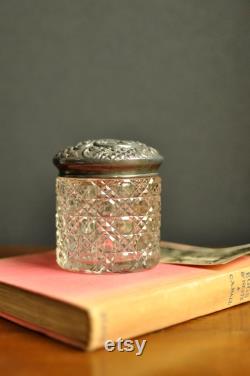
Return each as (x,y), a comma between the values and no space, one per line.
(108,157)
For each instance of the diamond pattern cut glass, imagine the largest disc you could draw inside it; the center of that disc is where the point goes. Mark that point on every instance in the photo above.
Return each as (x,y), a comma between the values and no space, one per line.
(109,224)
(108,206)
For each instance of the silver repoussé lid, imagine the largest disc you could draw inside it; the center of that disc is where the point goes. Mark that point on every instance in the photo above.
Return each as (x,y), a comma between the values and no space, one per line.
(108,158)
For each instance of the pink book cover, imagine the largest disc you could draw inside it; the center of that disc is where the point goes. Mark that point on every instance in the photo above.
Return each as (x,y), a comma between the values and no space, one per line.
(40,274)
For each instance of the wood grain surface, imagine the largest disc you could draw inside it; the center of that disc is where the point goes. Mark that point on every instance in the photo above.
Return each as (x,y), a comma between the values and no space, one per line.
(217,344)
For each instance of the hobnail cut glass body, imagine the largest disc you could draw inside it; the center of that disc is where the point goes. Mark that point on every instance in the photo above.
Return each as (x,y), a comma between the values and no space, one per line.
(108,225)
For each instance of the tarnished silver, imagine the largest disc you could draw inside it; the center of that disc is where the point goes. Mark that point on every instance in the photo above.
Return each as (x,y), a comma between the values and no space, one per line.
(108,150)
(108,157)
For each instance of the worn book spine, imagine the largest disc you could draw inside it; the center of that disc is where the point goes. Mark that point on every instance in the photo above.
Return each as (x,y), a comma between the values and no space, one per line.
(155,306)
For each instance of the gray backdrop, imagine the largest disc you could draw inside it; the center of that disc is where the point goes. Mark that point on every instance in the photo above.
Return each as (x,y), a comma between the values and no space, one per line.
(173,74)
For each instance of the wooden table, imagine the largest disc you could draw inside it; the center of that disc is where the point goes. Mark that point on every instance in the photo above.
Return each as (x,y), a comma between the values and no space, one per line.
(217,344)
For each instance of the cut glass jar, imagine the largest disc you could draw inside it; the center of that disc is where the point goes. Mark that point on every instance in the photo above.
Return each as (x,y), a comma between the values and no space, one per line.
(108,206)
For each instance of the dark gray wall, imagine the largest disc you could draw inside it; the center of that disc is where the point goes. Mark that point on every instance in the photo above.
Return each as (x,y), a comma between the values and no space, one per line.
(173,74)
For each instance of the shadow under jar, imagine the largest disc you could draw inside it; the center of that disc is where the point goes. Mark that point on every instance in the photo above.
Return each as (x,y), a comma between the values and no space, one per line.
(108,209)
